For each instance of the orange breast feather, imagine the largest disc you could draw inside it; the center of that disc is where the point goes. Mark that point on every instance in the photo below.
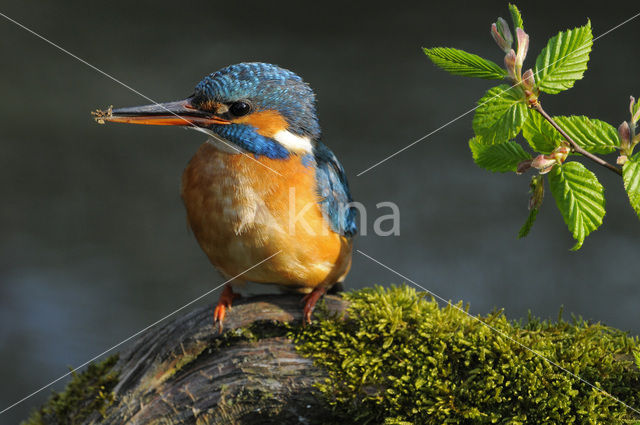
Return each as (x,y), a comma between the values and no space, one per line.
(243,211)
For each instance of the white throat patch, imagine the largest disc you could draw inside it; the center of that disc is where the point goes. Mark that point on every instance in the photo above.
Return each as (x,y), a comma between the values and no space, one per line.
(293,143)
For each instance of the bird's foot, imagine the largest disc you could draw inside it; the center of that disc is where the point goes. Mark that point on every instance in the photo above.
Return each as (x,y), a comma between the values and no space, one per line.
(310,301)
(224,304)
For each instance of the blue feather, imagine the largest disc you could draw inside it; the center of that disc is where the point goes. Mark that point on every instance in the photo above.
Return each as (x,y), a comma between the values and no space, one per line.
(333,189)
(247,138)
(269,87)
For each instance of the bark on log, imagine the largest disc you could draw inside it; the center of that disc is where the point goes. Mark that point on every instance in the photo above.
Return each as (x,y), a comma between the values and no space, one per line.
(184,372)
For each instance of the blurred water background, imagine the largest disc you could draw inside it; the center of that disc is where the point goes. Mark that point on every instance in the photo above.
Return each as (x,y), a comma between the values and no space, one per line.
(93,240)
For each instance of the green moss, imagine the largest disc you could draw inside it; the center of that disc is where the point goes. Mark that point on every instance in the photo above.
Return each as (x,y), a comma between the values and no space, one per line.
(263,329)
(255,331)
(87,392)
(400,358)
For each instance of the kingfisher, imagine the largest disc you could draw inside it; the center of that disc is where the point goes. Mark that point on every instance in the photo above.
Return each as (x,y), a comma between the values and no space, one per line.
(263,185)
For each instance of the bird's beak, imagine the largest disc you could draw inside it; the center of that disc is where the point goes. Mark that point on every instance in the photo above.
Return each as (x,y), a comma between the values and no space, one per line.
(181,112)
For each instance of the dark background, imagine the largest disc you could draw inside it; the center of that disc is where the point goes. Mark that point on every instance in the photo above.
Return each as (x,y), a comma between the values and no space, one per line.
(93,240)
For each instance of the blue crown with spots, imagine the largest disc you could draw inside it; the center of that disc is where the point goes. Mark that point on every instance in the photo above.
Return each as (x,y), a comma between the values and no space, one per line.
(267,87)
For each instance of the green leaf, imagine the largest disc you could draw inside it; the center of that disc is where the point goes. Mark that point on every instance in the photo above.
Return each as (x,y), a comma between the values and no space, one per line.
(459,62)
(564,59)
(634,111)
(580,198)
(631,177)
(500,114)
(541,135)
(516,17)
(593,135)
(526,227)
(635,107)
(501,157)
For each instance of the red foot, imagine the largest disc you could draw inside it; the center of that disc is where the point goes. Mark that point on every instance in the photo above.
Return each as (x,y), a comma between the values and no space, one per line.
(310,301)
(224,303)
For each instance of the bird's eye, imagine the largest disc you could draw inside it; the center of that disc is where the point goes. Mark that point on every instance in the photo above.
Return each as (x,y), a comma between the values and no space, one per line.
(240,108)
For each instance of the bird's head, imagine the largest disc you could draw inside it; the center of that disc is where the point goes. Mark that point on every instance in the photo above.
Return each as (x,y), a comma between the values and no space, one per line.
(259,107)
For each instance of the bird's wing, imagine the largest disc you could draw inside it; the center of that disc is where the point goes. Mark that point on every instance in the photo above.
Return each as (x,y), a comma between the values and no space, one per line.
(333,189)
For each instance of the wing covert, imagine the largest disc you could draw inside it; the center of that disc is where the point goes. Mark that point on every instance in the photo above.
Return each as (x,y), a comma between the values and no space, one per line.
(333,189)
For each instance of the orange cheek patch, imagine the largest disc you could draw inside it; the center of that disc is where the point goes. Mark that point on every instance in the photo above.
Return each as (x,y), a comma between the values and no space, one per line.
(267,122)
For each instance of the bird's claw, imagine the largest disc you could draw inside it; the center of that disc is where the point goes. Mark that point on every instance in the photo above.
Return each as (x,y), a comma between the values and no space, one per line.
(224,304)
(218,315)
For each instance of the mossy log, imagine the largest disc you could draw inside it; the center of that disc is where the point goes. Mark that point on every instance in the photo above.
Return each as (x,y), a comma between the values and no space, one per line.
(398,358)
(185,372)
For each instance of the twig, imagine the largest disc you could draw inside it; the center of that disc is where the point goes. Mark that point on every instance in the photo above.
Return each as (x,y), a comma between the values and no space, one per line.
(573,144)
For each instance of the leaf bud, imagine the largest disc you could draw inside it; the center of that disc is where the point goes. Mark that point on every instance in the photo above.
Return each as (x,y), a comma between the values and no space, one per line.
(544,163)
(523,46)
(510,64)
(560,153)
(624,131)
(528,80)
(537,192)
(502,34)
(524,166)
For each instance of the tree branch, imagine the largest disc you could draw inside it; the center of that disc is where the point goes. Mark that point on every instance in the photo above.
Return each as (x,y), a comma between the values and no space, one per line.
(538,107)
